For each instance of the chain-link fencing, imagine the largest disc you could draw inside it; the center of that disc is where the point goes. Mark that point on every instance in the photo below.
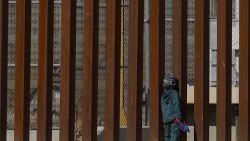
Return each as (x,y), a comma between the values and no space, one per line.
(102,58)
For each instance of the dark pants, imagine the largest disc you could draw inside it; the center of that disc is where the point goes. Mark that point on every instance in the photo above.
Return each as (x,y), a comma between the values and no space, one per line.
(172,132)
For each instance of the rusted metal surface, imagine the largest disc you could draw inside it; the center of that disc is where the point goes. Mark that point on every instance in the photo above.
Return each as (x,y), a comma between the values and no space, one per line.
(201,91)
(90,69)
(244,98)
(112,98)
(45,71)
(68,45)
(23,43)
(157,61)
(180,53)
(224,70)
(3,67)
(135,70)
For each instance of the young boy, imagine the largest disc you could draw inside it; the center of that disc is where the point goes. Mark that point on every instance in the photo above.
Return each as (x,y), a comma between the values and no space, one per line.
(170,105)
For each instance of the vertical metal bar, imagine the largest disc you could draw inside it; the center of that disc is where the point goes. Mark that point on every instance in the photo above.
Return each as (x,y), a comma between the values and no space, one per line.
(146,47)
(90,69)
(157,63)
(45,71)
(3,67)
(201,91)
(180,52)
(224,70)
(67,98)
(135,70)
(23,43)
(146,58)
(244,98)
(112,99)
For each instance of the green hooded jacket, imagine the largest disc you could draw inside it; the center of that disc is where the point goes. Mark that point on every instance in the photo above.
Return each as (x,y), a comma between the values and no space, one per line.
(170,105)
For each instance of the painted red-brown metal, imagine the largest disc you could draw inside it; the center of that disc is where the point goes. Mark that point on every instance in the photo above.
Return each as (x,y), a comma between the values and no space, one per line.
(3,67)
(244,98)
(112,97)
(157,61)
(45,71)
(224,70)
(201,91)
(135,70)
(90,69)
(68,46)
(180,52)
(23,44)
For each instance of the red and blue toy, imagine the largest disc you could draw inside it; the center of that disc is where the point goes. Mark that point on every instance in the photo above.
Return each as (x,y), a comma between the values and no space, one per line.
(182,125)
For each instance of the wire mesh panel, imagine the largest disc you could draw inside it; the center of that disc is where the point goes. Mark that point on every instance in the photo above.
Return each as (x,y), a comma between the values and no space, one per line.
(190,62)
(213,43)
(168,36)
(56,64)
(101,64)
(11,65)
(235,67)
(124,63)
(34,66)
(213,63)
(190,43)
(212,60)
(101,67)
(78,73)
(11,59)
(235,43)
